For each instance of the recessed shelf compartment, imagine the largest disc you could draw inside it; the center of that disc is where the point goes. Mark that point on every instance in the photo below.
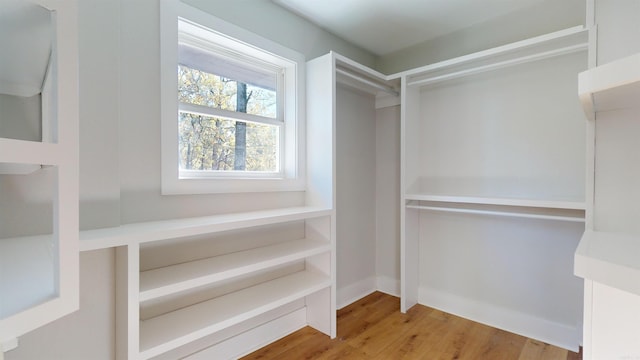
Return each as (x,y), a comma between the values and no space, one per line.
(27,273)
(615,85)
(171,279)
(609,258)
(177,228)
(177,328)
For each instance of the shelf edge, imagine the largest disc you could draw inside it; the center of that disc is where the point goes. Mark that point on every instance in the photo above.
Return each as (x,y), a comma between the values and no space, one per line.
(137,233)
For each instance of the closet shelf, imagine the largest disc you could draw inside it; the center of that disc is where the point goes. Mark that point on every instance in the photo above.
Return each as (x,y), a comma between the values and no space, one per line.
(30,152)
(558,43)
(611,86)
(177,228)
(609,258)
(174,329)
(532,203)
(172,279)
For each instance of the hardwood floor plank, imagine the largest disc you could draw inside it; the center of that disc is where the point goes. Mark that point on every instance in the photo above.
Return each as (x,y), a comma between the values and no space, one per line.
(360,316)
(533,350)
(374,328)
(374,340)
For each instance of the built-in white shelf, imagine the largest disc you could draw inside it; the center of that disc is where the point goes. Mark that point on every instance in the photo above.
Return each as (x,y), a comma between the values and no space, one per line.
(30,152)
(177,228)
(615,85)
(171,279)
(169,331)
(558,43)
(609,258)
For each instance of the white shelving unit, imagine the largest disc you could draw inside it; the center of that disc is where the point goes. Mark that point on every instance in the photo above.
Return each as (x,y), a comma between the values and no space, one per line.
(468,161)
(615,85)
(240,285)
(39,274)
(607,258)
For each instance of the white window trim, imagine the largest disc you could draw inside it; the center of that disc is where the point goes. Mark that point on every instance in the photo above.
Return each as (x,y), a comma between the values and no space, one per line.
(292,177)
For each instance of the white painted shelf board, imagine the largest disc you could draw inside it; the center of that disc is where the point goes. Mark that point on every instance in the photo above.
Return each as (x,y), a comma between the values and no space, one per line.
(171,279)
(609,258)
(18,169)
(29,152)
(574,39)
(615,85)
(550,204)
(180,327)
(351,73)
(177,228)
(26,273)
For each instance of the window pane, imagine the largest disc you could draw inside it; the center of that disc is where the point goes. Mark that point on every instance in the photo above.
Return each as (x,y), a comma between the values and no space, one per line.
(209,143)
(207,89)
(202,88)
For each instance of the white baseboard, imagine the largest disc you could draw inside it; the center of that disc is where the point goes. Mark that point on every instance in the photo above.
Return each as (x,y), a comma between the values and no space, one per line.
(354,292)
(252,340)
(553,333)
(388,285)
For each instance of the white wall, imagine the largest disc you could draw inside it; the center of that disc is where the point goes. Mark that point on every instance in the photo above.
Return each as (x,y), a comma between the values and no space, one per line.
(388,199)
(27,109)
(266,19)
(120,148)
(355,194)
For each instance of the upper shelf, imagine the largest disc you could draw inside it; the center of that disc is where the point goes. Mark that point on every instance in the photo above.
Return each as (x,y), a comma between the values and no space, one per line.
(609,258)
(558,43)
(177,228)
(353,74)
(611,86)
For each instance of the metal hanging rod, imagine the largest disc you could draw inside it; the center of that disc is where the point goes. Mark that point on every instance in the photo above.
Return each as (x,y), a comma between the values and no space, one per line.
(497,213)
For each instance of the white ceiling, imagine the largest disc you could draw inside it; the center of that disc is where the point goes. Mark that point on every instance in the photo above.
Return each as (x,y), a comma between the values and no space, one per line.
(385,26)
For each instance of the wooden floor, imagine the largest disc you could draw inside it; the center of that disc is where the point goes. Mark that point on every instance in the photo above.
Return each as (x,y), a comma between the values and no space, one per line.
(374,328)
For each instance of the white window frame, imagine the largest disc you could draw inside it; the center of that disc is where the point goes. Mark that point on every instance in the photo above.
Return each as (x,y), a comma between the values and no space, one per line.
(291,175)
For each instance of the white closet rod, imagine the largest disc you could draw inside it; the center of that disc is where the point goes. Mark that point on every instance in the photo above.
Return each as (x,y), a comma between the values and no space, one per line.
(497,213)
(498,65)
(385,88)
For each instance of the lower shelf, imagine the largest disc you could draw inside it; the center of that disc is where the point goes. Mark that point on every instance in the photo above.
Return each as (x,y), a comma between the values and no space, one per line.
(609,258)
(172,330)
(167,280)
